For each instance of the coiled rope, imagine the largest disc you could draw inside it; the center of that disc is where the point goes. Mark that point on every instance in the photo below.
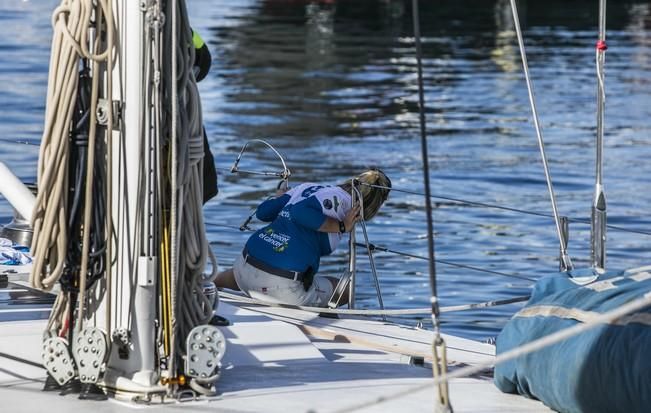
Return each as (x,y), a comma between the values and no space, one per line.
(189,245)
(71,22)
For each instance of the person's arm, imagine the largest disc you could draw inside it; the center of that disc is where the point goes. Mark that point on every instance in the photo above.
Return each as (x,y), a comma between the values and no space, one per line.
(333,225)
(268,210)
(308,213)
(202,57)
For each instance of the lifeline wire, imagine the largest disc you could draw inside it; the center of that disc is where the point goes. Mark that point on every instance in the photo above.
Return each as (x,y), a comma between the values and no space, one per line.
(470,203)
(481,205)
(504,208)
(374,247)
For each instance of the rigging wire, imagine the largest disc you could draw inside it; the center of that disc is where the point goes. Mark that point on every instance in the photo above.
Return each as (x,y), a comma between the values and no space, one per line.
(566,262)
(491,206)
(439,354)
(476,204)
(425,160)
(19,142)
(374,247)
(510,209)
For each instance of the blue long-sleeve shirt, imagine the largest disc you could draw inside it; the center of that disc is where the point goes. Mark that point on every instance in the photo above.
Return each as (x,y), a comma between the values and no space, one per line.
(292,240)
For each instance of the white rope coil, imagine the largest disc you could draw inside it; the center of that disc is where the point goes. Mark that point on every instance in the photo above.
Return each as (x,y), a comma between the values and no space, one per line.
(71,21)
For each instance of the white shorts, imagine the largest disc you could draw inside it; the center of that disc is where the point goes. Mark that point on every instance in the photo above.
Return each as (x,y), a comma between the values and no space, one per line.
(272,288)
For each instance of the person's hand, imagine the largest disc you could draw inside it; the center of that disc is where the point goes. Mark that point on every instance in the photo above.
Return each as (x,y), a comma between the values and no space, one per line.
(281,191)
(281,188)
(351,217)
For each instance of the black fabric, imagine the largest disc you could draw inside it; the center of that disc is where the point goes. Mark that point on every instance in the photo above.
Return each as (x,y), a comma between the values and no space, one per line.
(202,61)
(210,184)
(308,279)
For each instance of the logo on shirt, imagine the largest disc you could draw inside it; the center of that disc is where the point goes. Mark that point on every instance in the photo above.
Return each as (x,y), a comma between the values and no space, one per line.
(279,242)
(336,202)
(311,190)
(327,204)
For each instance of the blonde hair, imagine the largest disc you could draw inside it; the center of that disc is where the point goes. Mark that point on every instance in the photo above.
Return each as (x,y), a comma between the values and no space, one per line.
(374,186)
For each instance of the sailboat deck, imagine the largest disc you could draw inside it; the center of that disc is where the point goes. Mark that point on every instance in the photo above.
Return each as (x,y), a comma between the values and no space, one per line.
(283,360)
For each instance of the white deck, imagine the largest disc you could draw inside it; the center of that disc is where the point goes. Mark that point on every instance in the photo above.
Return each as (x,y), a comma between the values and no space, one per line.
(281,360)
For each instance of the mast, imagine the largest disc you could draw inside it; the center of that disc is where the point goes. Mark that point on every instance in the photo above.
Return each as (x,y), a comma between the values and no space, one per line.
(139,316)
(131,365)
(598,221)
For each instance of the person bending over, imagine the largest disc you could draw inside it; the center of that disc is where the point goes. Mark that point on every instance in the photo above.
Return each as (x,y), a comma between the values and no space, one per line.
(280,261)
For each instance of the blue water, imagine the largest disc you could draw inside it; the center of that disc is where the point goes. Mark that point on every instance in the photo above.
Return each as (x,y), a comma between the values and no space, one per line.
(332,86)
